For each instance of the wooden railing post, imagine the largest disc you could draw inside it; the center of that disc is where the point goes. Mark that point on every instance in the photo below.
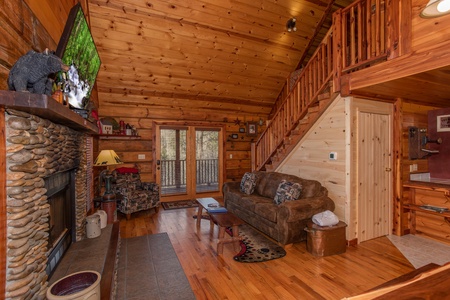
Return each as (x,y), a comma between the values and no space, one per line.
(253,156)
(337,50)
(398,31)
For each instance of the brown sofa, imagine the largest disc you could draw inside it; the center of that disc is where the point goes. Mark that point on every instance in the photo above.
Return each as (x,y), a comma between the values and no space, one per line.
(285,222)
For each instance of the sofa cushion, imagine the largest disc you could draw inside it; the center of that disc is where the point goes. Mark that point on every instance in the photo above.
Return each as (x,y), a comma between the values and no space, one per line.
(248,202)
(248,183)
(267,210)
(287,191)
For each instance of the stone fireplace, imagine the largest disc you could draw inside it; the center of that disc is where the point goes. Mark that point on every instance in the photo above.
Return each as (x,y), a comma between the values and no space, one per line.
(47,200)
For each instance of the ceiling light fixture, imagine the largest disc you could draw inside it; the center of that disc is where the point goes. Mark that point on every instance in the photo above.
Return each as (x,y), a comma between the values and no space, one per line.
(436,8)
(291,24)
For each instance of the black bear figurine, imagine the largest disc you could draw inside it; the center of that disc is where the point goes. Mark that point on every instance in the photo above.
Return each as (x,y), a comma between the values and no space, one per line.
(30,72)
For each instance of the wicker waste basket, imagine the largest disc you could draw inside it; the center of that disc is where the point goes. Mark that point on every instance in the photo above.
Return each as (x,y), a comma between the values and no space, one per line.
(77,286)
(325,240)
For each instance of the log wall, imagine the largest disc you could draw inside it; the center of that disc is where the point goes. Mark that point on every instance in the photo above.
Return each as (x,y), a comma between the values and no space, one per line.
(142,119)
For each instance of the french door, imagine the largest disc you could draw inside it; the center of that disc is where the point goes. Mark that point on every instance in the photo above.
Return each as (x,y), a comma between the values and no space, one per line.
(188,161)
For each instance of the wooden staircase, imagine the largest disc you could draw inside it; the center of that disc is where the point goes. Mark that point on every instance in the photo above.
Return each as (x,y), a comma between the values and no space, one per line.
(313,113)
(346,47)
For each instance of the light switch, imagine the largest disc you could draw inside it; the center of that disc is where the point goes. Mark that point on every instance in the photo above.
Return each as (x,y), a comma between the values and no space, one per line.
(333,156)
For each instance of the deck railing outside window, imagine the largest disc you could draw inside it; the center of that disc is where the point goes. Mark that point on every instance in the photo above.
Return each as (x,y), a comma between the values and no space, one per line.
(173,172)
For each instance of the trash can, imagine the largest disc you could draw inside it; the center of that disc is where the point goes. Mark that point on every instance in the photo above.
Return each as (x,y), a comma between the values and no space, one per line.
(93,226)
(325,240)
(84,285)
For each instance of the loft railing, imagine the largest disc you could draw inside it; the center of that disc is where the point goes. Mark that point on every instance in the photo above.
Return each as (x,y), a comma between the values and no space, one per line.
(314,77)
(364,31)
(357,39)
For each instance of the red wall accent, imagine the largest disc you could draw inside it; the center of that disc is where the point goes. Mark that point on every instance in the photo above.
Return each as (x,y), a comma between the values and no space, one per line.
(438,164)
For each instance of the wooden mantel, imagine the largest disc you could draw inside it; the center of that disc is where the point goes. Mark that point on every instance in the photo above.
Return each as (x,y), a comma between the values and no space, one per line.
(47,108)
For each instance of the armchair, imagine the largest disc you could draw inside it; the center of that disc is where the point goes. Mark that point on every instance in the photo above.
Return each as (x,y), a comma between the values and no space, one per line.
(134,194)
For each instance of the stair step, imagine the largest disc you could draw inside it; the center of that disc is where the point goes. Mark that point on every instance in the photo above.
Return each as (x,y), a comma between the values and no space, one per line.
(313,109)
(323,96)
(295,132)
(269,167)
(305,120)
(281,151)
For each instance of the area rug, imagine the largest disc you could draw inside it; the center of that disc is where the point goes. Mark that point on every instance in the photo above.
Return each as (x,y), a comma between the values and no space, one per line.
(179,204)
(150,269)
(255,247)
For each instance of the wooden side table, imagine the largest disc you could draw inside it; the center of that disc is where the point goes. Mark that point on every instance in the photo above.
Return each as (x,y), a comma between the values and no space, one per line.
(224,220)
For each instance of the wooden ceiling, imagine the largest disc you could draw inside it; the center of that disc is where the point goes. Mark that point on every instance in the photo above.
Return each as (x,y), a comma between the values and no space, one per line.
(227,55)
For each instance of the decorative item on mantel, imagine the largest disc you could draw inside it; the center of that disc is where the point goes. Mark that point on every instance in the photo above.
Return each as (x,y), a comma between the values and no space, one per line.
(31,72)
(108,158)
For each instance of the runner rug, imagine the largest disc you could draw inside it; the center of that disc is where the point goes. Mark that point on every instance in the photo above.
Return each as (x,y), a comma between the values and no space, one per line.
(179,204)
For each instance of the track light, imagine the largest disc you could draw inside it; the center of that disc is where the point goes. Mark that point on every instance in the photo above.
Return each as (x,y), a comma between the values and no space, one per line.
(436,8)
(291,25)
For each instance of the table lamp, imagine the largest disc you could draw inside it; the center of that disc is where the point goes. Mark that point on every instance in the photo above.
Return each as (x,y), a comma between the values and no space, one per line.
(107,158)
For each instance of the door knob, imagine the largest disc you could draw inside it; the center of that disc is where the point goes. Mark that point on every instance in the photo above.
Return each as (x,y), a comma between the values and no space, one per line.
(388,169)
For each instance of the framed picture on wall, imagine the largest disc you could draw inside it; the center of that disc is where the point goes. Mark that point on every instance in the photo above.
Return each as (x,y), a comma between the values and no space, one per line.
(252,128)
(443,123)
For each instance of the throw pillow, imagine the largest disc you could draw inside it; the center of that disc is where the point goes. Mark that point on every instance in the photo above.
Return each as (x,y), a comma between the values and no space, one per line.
(125,170)
(287,191)
(248,183)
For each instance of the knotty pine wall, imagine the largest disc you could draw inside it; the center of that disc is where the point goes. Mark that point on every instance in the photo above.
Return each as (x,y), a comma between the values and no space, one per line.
(309,159)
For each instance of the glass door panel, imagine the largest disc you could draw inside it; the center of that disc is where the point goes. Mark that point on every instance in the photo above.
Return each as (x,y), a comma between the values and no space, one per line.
(173,161)
(207,160)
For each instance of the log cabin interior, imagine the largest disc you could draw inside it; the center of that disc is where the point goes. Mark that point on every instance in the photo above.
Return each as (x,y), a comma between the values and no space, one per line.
(357,97)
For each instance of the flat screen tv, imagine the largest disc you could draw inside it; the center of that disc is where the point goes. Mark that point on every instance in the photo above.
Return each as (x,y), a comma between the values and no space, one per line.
(77,49)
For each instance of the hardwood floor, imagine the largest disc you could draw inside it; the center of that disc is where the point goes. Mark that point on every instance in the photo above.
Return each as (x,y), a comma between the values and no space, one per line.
(298,275)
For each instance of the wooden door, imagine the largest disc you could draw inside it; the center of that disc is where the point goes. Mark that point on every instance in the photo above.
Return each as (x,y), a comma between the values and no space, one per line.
(374,171)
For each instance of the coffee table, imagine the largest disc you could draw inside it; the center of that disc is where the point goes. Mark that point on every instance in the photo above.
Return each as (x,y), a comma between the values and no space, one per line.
(224,220)
(203,204)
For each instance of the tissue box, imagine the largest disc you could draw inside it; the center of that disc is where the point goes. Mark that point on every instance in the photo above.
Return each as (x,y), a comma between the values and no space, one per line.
(326,240)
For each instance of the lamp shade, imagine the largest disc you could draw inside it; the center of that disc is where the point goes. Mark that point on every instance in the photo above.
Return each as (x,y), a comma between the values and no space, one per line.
(436,8)
(107,158)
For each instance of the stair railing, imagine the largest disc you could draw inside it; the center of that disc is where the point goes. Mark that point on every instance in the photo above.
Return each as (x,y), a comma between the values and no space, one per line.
(311,81)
